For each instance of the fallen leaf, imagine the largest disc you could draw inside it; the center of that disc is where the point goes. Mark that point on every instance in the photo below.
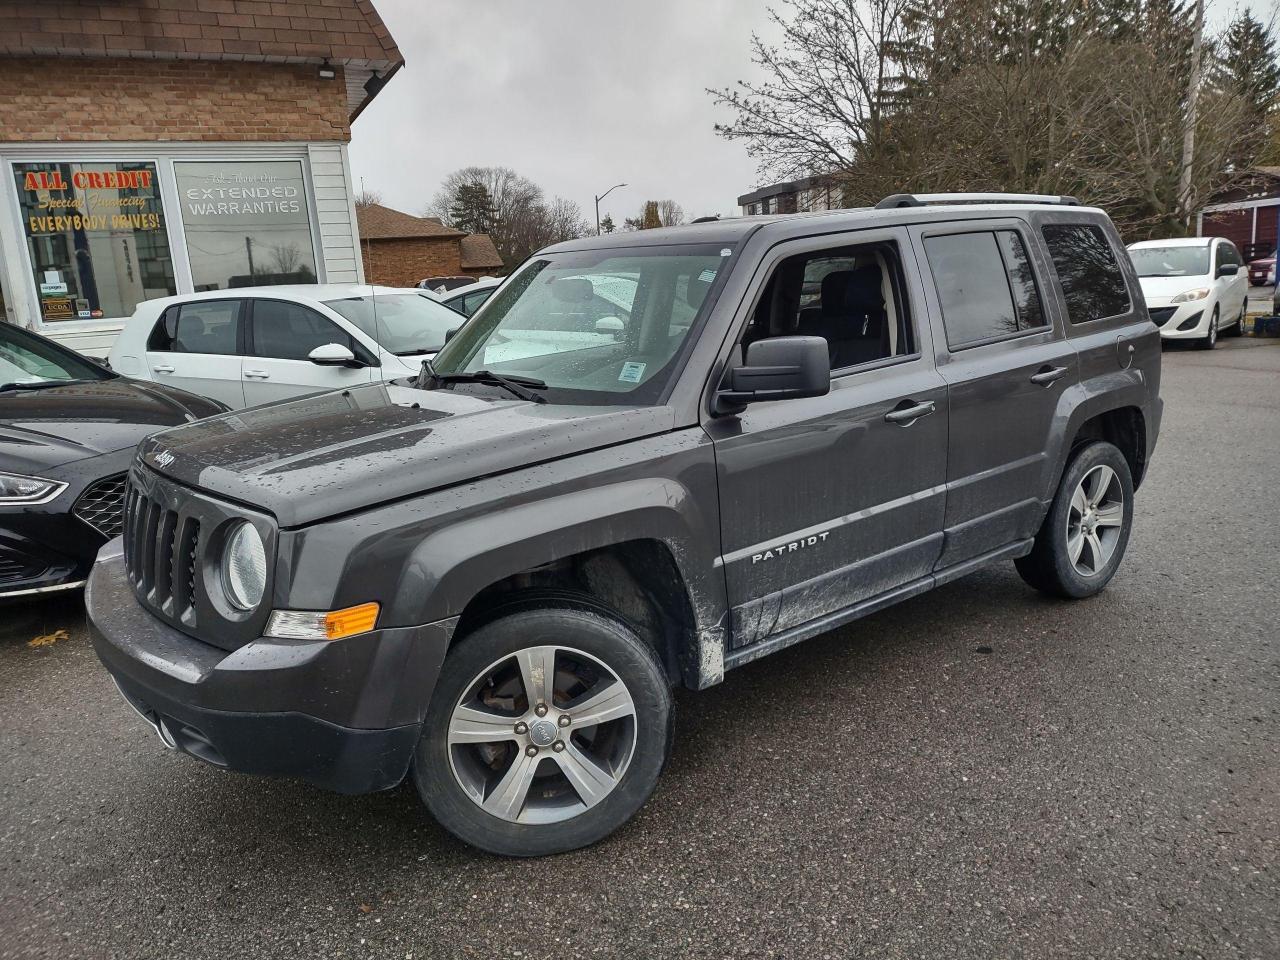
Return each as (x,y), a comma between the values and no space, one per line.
(48,639)
(365,908)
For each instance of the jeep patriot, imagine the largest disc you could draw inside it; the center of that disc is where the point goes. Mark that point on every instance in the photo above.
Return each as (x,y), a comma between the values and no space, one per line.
(649,459)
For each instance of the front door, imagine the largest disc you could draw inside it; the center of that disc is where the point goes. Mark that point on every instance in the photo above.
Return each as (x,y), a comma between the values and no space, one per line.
(829,501)
(1006,363)
(282,336)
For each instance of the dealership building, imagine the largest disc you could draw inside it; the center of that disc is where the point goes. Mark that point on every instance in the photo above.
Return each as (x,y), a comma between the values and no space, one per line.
(154,147)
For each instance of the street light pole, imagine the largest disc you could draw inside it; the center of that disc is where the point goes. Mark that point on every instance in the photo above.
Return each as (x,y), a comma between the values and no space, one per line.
(601,197)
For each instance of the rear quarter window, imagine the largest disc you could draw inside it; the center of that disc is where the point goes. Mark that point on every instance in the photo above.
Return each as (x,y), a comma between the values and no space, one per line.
(1092,281)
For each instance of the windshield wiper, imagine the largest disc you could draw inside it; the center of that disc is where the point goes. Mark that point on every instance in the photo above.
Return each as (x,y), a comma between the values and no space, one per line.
(517,386)
(417,351)
(38,385)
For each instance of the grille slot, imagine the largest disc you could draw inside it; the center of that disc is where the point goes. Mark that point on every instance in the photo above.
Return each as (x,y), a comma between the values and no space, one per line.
(101,505)
(161,549)
(1160,315)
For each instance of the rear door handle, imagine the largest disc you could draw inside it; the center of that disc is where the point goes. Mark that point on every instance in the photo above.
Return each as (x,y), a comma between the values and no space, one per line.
(1048,375)
(162,368)
(257,375)
(909,415)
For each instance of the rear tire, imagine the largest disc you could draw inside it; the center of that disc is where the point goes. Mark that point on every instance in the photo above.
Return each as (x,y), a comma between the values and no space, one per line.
(1084,536)
(1237,328)
(493,703)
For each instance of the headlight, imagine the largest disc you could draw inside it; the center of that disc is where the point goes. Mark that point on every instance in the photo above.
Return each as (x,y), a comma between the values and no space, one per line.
(1188,295)
(15,488)
(244,567)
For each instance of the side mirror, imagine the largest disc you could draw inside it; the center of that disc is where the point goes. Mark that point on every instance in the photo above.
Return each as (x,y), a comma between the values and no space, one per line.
(610,325)
(780,368)
(333,355)
(1228,270)
(449,334)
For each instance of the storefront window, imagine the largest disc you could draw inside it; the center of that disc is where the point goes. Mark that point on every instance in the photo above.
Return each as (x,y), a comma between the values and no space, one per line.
(246,223)
(96,235)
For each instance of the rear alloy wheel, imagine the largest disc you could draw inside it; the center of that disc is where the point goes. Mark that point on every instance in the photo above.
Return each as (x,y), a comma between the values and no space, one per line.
(1084,536)
(1237,328)
(1210,339)
(546,732)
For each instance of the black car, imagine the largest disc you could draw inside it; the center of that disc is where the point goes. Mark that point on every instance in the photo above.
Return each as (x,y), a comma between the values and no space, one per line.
(68,428)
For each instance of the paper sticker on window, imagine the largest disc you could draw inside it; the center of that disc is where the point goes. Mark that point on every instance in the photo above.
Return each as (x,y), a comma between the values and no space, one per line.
(706,276)
(632,371)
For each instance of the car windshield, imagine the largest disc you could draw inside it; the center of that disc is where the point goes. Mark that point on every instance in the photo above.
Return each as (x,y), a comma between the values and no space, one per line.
(1170,261)
(28,360)
(597,327)
(403,323)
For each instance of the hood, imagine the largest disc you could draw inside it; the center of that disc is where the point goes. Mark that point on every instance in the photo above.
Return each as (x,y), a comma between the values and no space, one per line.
(43,429)
(308,459)
(1158,290)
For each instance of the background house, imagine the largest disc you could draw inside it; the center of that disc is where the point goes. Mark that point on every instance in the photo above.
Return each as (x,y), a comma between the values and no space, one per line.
(400,249)
(148,149)
(1248,214)
(795,196)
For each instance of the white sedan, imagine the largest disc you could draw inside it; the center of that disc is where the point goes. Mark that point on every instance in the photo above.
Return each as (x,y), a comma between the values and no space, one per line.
(467,300)
(1195,287)
(252,345)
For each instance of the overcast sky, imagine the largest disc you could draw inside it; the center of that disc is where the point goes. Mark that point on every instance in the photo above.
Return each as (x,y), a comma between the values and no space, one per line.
(575,95)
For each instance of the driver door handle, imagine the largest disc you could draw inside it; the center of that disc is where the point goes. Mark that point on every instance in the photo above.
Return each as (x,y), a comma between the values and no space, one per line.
(1048,375)
(257,375)
(162,368)
(909,415)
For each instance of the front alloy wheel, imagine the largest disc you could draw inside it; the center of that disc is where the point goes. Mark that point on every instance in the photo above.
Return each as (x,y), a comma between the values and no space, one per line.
(546,731)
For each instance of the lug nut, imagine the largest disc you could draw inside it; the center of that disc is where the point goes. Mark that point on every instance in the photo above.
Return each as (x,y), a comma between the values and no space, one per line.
(564,719)
(558,746)
(531,751)
(522,728)
(540,709)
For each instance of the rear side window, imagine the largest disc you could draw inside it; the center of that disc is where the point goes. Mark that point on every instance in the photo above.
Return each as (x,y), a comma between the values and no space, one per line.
(206,326)
(290,331)
(1092,282)
(985,284)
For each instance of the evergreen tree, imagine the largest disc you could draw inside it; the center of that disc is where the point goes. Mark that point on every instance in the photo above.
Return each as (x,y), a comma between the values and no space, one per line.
(652,219)
(607,225)
(1247,63)
(473,209)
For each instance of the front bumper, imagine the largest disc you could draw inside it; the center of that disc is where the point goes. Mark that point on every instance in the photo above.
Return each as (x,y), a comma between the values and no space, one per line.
(1171,318)
(344,715)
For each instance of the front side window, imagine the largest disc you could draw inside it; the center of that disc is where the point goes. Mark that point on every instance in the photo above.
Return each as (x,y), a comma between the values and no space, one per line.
(851,296)
(204,326)
(290,331)
(27,360)
(246,223)
(1092,281)
(403,323)
(598,326)
(96,236)
(986,286)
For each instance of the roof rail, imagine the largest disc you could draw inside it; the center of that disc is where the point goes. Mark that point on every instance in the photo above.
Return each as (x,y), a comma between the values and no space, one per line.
(898,200)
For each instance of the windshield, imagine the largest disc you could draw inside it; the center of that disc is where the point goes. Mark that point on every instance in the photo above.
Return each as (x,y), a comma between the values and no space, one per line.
(403,323)
(28,359)
(597,327)
(1170,261)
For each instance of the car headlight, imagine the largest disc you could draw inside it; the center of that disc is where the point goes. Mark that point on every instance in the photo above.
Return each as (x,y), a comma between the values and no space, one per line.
(244,567)
(1188,295)
(15,488)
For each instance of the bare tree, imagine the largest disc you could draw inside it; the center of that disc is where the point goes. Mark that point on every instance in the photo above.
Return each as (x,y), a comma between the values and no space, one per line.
(285,257)
(368,198)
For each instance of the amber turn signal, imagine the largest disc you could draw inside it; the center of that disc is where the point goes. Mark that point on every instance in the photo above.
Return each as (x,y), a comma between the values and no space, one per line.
(352,620)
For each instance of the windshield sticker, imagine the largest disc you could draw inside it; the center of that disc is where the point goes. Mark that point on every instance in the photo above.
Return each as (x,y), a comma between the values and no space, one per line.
(632,371)
(706,276)
(726,252)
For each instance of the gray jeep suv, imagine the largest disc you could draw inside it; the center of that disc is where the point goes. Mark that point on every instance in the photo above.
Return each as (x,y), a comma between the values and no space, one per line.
(649,459)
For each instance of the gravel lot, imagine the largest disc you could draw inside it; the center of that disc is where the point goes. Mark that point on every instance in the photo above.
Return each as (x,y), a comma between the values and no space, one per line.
(978,772)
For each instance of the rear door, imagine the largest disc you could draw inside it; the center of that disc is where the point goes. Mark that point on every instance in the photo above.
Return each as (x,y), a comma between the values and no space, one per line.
(282,335)
(1006,360)
(829,501)
(198,346)
(1235,289)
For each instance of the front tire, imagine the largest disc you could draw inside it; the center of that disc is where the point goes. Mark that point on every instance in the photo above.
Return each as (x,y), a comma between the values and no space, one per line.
(1084,536)
(1210,339)
(547,731)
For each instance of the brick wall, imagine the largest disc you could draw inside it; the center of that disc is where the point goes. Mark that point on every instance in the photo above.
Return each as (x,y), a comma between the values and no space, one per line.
(118,100)
(402,263)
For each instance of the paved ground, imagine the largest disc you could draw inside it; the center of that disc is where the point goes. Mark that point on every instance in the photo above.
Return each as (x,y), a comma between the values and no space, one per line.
(977,773)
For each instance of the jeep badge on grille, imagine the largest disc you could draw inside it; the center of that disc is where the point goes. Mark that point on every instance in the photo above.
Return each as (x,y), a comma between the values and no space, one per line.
(163,458)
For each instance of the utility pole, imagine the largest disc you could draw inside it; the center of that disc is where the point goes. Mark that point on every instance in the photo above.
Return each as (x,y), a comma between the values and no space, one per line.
(1189,133)
(601,197)
(248,248)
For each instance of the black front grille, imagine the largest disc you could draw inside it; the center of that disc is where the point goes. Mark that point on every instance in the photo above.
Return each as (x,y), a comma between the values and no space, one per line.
(1160,315)
(160,554)
(101,505)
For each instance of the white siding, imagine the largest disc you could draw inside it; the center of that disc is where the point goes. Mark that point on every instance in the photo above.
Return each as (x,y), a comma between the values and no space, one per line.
(335,212)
